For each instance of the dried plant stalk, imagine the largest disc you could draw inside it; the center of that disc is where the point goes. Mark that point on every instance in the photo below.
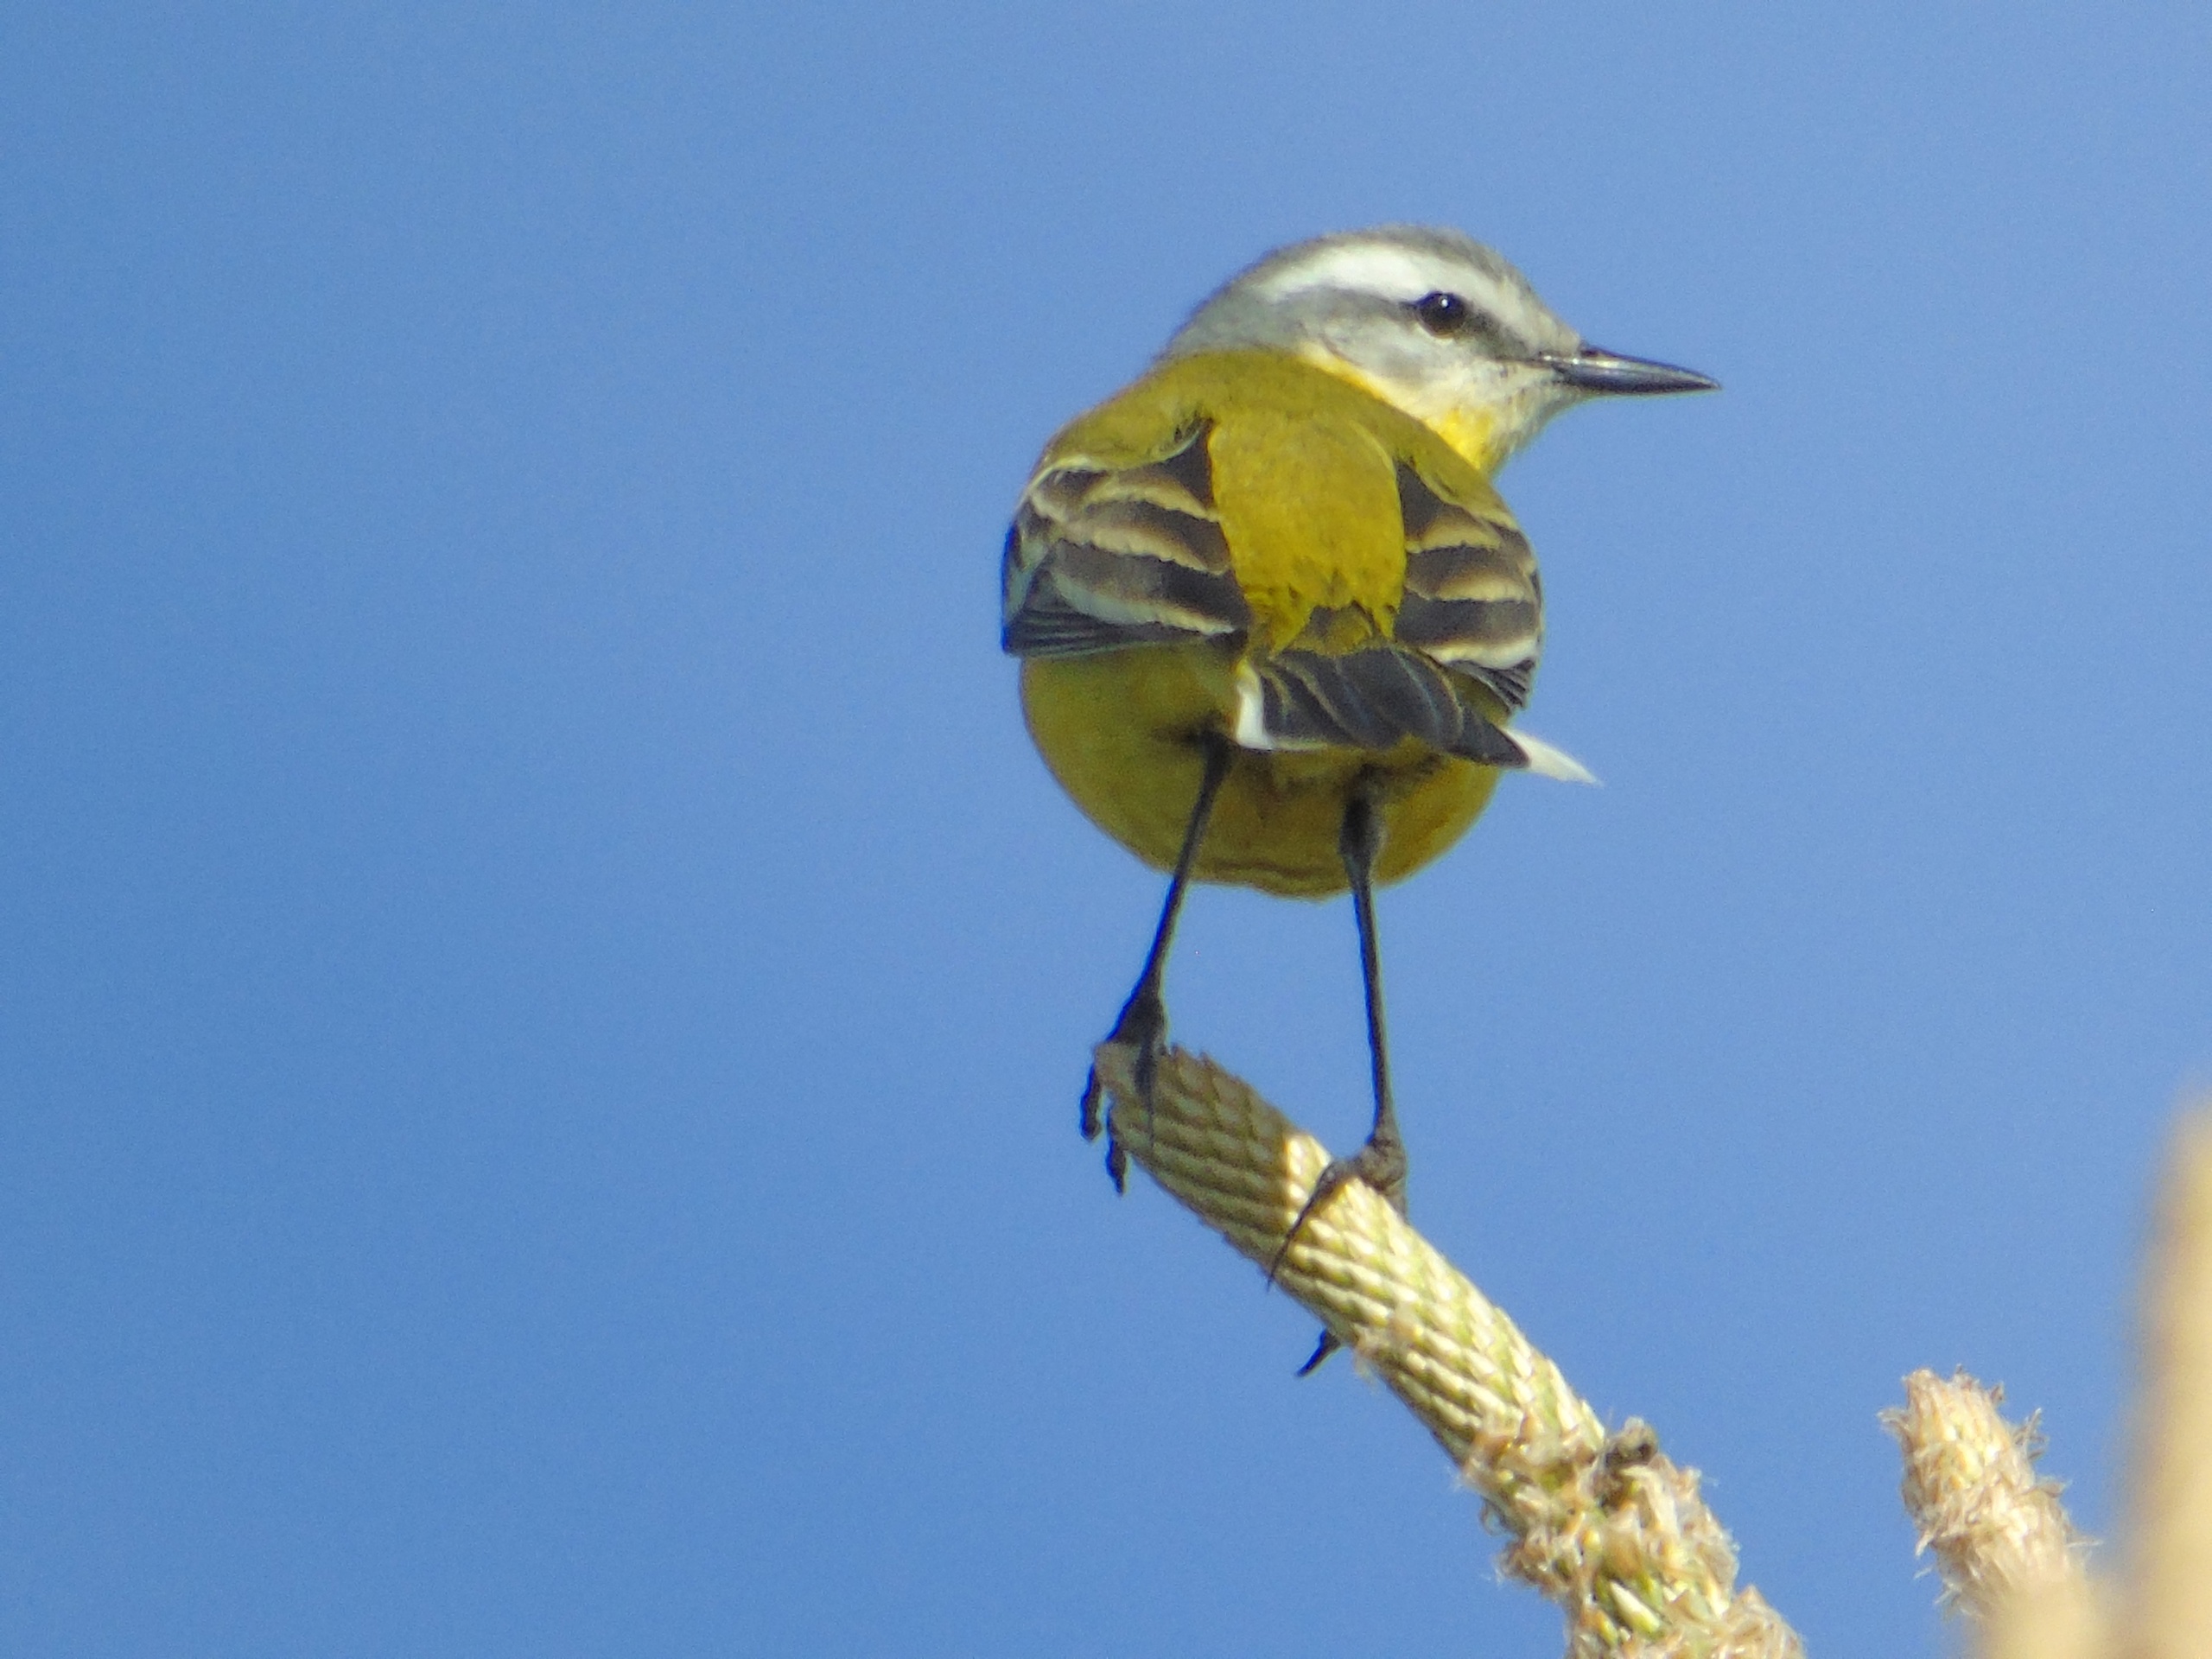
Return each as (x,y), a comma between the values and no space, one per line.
(2009,1558)
(1607,1526)
(2171,1539)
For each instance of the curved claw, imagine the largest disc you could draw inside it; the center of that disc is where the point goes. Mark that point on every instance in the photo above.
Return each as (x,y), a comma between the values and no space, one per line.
(1380,1165)
(1146,1069)
(1322,1349)
(1094,1096)
(1142,1026)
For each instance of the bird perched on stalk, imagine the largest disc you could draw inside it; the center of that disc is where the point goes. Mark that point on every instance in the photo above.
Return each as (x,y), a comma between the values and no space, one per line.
(1275,626)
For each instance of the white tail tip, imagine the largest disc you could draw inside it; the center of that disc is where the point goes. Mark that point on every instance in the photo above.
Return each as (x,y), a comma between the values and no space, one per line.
(1547,762)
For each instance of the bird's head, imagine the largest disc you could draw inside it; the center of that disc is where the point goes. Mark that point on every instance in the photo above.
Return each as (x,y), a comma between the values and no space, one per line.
(1427,320)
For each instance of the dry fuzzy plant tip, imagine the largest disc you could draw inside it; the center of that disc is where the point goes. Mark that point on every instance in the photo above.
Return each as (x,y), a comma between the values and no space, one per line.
(1607,1526)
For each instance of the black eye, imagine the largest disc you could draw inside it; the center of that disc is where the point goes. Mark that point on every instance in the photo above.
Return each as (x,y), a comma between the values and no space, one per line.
(1446,314)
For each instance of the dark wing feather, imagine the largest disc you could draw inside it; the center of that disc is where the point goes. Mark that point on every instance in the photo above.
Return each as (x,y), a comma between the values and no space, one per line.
(1373,698)
(1474,600)
(1101,558)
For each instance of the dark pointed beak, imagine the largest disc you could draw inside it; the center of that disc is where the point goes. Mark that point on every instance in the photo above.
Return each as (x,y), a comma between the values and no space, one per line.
(1595,370)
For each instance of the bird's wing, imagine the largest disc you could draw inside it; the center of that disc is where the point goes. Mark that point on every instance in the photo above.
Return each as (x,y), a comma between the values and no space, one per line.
(1473,603)
(1374,698)
(1102,556)
(1457,660)
(1371,698)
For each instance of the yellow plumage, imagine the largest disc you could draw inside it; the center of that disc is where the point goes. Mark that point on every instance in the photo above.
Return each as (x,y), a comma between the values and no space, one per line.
(1304,476)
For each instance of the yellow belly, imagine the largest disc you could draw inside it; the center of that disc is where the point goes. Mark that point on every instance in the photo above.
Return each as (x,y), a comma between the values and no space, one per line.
(1122,732)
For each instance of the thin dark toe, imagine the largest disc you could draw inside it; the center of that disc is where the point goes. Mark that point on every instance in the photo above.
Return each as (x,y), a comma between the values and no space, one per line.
(1094,1098)
(1145,1070)
(1322,1349)
(1338,1172)
(1142,1027)
(1380,1167)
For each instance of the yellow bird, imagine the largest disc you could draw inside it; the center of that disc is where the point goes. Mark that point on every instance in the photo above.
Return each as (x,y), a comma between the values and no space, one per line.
(1275,624)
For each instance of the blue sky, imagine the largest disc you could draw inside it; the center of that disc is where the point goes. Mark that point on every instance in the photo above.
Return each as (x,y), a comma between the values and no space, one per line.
(545,989)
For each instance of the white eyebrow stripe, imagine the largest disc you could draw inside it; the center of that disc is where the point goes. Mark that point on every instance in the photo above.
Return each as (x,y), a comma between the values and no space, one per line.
(1397,272)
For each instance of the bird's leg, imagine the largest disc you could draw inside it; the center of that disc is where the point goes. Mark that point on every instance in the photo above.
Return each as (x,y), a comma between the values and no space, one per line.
(1143,1021)
(1381,1162)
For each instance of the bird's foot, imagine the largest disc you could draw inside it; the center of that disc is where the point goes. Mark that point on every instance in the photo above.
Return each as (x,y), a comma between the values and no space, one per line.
(1142,1029)
(1381,1165)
